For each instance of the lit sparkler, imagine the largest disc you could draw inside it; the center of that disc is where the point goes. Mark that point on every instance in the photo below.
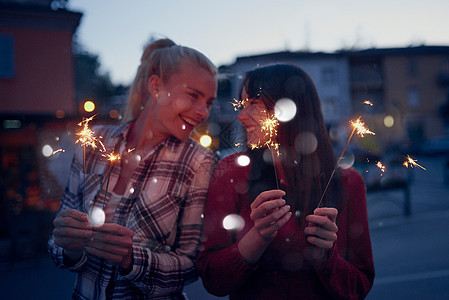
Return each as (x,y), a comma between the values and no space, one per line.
(381,167)
(269,126)
(410,162)
(58,150)
(358,126)
(86,136)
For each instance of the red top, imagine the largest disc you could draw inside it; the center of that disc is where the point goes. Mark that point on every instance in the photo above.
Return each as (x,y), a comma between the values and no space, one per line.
(286,270)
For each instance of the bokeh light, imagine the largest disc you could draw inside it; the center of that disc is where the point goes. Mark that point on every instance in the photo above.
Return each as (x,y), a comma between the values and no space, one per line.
(97,216)
(243,160)
(114,114)
(233,222)
(389,121)
(89,106)
(306,143)
(285,109)
(205,140)
(60,114)
(347,161)
(47,150)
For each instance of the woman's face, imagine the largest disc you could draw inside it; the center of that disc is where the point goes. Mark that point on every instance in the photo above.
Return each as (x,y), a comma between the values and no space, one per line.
(252,115)
(183,102)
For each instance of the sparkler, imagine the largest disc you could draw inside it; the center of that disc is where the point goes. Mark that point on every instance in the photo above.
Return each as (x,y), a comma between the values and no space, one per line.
(112,157)
(411,162)
(87,138)
(367,102)
(381,167)
(358,126)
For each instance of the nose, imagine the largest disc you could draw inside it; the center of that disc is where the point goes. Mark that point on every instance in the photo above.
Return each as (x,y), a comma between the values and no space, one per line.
(243,116)
(202,110)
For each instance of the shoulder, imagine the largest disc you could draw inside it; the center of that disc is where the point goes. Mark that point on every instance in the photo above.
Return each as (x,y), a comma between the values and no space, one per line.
(350,178)
(200,152)
(236,163)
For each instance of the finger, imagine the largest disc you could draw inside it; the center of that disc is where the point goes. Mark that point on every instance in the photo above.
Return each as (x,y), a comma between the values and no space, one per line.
(267,195)
(72,232)
(71,244)
(122,241)
(271,231)
(71,222)
(75,214)
(274,216)
(320,242)
(322,221)
(108,248)
(321,233)
(330,212)
(266,208)
(113,258)
(114,229)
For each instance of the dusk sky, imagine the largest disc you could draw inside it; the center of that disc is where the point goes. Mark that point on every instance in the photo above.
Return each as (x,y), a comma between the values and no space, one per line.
(117,30)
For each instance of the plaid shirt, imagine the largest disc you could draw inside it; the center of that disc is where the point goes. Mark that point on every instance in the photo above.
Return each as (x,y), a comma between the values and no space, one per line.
(163,205)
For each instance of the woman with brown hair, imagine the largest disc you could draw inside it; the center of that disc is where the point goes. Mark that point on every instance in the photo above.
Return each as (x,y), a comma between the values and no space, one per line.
(276,248)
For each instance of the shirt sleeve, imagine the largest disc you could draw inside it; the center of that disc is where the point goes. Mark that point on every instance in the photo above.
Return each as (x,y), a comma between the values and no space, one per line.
(348,273)
(71,199)
(220,264)
(157,273)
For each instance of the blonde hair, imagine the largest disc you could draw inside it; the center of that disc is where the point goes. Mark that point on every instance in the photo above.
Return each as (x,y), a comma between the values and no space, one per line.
(162,58)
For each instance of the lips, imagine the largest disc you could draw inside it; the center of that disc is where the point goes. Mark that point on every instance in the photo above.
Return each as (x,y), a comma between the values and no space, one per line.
(190,122)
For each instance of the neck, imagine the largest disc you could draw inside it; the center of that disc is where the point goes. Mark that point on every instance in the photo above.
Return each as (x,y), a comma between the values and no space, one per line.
(142,135)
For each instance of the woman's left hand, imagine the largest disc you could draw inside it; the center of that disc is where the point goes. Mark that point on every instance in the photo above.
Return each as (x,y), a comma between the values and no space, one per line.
(322,228)
(112,242)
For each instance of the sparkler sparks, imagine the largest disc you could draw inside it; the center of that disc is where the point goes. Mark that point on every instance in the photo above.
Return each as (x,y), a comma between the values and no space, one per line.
(358,126)
(367,102)
(86,136)
(269,126)
(410,162)
(381,166)
(58,150)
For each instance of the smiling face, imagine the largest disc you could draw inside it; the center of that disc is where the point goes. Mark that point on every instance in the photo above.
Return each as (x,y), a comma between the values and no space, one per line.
(181,103)
(252,115)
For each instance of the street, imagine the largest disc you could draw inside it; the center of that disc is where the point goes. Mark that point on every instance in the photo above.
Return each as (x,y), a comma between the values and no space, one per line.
(411,253)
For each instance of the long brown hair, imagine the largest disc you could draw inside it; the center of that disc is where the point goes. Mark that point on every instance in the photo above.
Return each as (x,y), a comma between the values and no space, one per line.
(307,172)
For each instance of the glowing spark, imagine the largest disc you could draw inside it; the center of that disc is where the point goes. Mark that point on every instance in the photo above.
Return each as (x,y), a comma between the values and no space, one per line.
(86,135)
(56,151)
(112,157)
(269,126)
(360,127)
(381,166)
(412,163)
(239,104)
(368,102)
(131,150)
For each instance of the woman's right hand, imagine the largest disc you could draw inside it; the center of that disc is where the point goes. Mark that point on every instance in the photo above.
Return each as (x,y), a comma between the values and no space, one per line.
(269,213)
(72,232)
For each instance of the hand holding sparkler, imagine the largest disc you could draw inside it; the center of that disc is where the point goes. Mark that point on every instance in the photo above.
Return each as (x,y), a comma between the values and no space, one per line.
(321,230)
(72,232)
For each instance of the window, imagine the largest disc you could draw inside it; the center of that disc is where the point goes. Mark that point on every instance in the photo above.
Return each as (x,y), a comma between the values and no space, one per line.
(413,97)
(6,56)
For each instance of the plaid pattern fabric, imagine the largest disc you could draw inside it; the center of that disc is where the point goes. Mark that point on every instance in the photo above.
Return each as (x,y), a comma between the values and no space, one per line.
(163,205)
